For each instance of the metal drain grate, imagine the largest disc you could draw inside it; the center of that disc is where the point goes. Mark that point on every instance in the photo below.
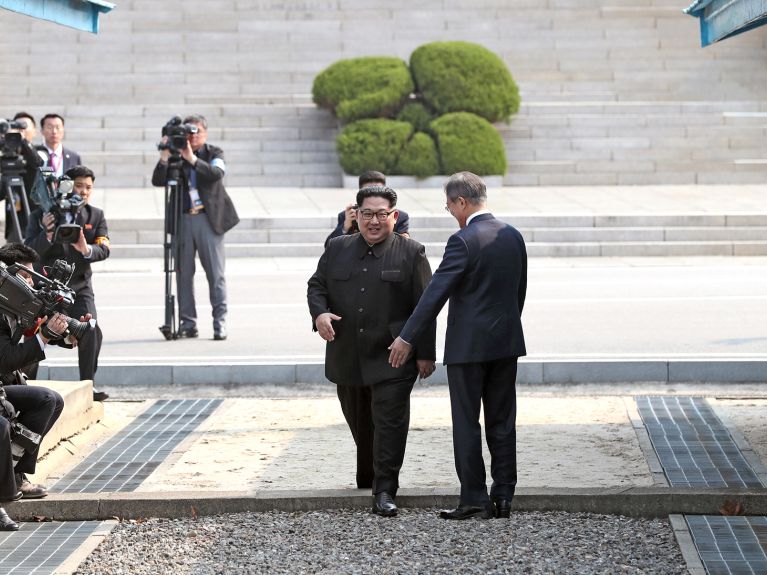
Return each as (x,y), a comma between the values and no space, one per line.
(41,548)
(693,445)
(730,545)
(129,457)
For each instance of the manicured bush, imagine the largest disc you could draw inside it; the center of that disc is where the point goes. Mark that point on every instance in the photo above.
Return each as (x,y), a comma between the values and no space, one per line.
(464,77)
(467,142)
(418,115)
(366,87)
(372,145)
(418,158)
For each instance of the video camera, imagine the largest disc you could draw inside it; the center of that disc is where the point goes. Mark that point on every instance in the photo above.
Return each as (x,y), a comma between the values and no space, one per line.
(52,295)
(57,196)
(10,142)
(177,132)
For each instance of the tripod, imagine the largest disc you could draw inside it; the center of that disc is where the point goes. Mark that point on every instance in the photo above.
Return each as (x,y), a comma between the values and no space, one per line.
(12,169)
(171,244)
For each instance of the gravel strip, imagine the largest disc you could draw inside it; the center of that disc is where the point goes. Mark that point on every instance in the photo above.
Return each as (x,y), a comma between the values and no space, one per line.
(353,541)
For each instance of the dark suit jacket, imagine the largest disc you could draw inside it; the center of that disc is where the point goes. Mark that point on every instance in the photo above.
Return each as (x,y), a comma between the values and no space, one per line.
(373,303)
(484,274)
(96,234)
(219,208)
(71,158)
(15,355)
(401,227)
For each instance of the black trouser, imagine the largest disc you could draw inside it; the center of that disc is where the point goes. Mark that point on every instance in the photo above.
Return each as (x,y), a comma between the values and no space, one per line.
(40,407)
(89,347)
(490,384)
(378,417)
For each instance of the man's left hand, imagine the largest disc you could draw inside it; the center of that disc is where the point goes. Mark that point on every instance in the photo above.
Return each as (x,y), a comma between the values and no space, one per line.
(81,245)
(425,367)
(400,351)
(188,154)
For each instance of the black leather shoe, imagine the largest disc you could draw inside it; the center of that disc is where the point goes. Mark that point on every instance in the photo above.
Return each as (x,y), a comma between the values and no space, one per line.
(383,505)
(100,395)
(6,523)
(219,334)
(469,511)
(502,508)
(28,489)
(187,332)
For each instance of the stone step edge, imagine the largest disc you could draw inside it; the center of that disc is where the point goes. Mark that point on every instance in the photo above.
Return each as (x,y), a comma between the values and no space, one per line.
(536,371)
(629,501)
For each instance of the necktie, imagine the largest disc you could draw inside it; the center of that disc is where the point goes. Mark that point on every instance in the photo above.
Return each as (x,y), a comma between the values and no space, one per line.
(52,162)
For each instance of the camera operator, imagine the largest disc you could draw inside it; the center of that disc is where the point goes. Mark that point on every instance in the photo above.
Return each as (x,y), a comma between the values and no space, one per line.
(91,246)
(32,161)
(39,407)
(208,213)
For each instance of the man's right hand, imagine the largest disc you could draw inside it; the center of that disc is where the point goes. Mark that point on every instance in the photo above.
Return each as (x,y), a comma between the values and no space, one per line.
(350,216)
(56,326)
(49,223)
(324,325)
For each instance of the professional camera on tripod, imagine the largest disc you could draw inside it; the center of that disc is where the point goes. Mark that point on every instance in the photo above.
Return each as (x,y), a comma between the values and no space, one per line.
(57,196)
(29,305)
(175,138)
(12,169)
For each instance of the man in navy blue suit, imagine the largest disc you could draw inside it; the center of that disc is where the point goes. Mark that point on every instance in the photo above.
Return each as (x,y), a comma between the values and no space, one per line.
(484,275)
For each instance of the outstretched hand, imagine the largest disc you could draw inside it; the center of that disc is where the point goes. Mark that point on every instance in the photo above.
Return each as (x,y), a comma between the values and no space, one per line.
(400,350)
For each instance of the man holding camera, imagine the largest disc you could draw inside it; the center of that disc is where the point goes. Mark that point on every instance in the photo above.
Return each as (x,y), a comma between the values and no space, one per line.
(38,407)
(92,245)
(207,214)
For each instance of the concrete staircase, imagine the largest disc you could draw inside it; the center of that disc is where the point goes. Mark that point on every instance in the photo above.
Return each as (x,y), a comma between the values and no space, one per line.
(546,236)
(614,92)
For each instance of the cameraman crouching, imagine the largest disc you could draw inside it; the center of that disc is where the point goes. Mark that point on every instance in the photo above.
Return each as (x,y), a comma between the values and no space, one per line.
(92,246)
(39,407)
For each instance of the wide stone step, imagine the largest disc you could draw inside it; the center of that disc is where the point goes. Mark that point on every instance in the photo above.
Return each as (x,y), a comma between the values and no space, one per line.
(535,249)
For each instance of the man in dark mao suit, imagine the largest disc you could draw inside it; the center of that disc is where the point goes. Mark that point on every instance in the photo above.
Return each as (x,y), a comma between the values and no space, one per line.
(92,246)
(365,287)
(484,274)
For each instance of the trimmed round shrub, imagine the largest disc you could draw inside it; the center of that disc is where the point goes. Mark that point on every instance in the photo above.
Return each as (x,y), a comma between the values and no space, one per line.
(366,87)
(372,145)
(464,77)
(418,158)
(416,114)
(467,142)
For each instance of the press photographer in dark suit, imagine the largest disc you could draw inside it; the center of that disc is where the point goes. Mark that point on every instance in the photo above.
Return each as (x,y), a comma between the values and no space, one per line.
(484,275)
(208,213)
(365,287)
(92,246)
(32,163)
(39,407)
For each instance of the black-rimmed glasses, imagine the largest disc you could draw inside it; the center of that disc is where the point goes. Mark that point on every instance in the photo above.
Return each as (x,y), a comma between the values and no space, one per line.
(381,215)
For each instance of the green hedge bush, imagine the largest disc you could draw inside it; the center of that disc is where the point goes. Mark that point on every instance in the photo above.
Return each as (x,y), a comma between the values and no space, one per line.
(372,145)
(366,87)
(418,115)
(418,158)
(467,142)
(465,77)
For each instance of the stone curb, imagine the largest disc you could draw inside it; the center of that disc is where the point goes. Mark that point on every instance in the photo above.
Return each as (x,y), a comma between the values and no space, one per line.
(529,372)
(630,501)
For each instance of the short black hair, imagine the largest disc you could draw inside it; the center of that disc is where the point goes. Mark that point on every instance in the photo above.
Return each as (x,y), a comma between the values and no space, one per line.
(27,115)
(17,254)
(378,192)
(80,172)
(47,116)
(371,177)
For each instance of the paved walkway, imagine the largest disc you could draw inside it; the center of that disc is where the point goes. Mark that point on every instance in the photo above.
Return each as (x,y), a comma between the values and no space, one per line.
(566,200)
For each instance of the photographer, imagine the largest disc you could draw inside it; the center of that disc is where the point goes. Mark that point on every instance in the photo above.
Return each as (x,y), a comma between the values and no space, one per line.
(91,246)
(39,407)
(207,214)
